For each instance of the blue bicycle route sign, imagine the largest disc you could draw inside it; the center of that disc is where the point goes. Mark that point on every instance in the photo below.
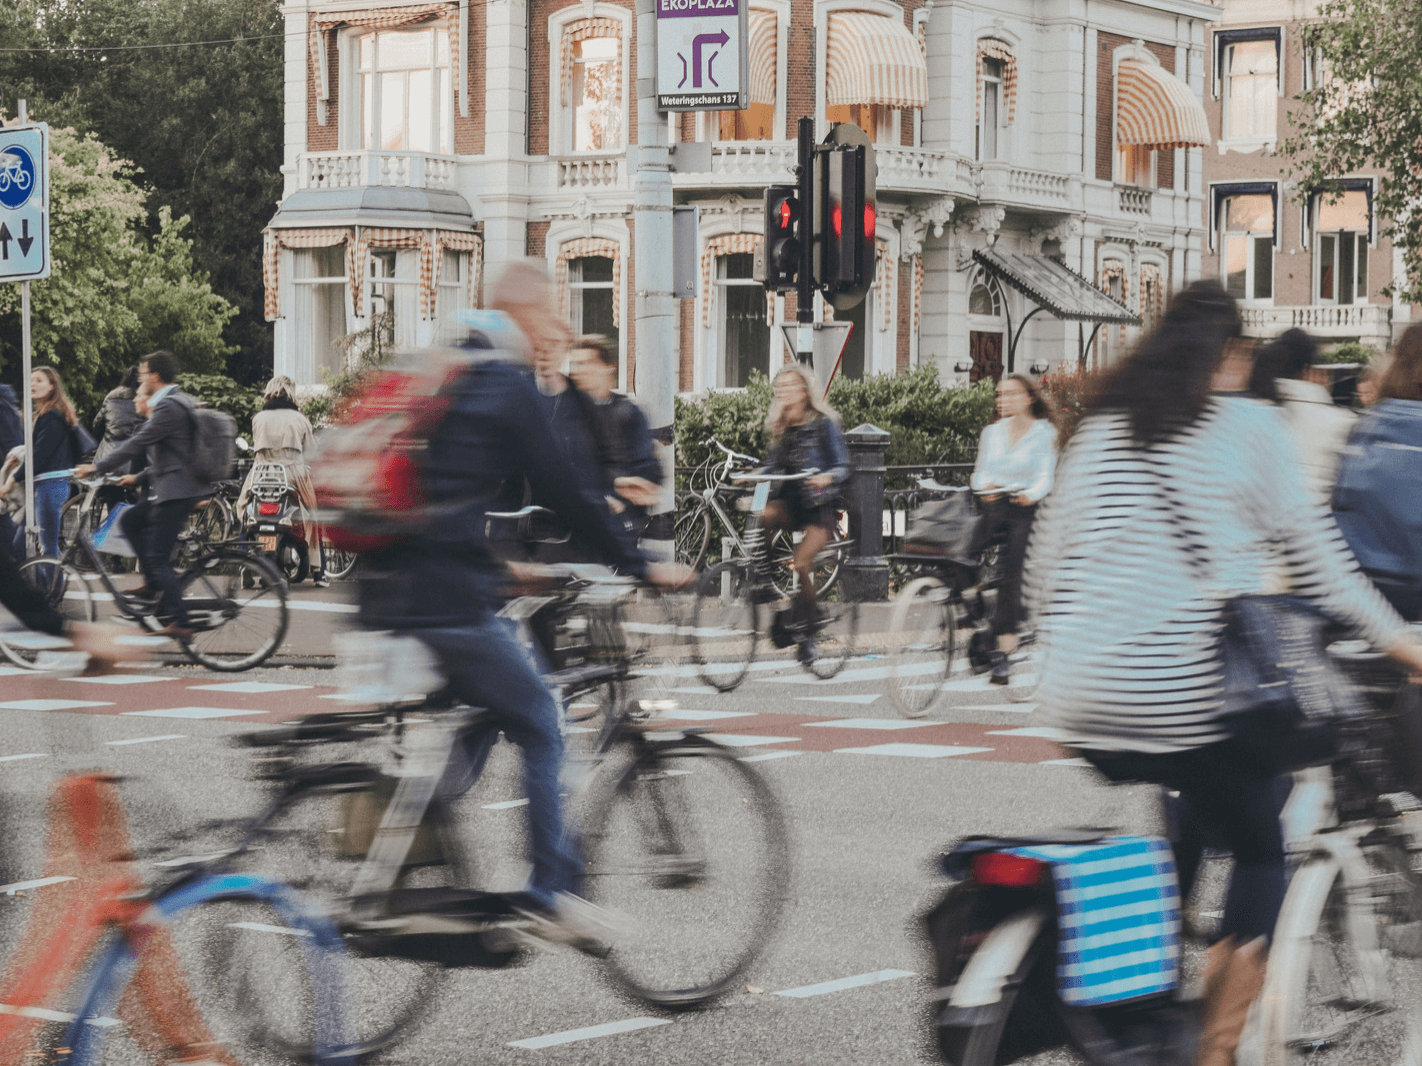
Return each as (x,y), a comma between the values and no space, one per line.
(702,60)
(24,203)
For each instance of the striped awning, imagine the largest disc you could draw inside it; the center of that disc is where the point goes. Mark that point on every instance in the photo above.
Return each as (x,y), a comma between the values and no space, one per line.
(1155,109)
(762,56)
(323,23)
(873,60)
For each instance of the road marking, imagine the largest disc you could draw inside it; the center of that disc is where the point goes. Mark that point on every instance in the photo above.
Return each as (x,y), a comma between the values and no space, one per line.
(258,927)
(17,758)
(866,723)
(24,886)
(54,1015)
(592,1032)
(1010,708)
(866,698)
(741,740)
(972,684)
(51,705)
(1064,762)
(120,679)
(14,671)
(706,716)
(1046,732)
(186,860)
(864,673)
(697,690)
(912,751)
(191,712)
(145,740)
(252,687)
(771,755)
(505,805)
(858,981)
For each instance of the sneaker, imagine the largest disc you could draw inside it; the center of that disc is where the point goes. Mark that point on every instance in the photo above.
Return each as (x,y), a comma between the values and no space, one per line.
(1001,669)
(572,921)
(321,581)
(807,651)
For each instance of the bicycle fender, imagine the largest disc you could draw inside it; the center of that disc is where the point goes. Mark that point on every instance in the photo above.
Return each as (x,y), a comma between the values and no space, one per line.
(997,963)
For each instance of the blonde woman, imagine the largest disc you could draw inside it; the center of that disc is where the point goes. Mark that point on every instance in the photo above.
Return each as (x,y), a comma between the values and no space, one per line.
(55,449)
(804,434)
(282,434)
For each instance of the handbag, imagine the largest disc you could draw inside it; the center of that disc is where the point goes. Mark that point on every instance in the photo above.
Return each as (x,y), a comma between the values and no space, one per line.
(84,443)
(946,528)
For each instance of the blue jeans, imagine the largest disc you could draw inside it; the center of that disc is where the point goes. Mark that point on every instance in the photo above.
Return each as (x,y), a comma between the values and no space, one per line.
(489,667)
(50,497)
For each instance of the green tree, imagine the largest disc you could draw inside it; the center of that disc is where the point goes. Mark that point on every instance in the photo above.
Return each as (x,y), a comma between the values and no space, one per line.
(203,124)
(1362,114)
(114,293)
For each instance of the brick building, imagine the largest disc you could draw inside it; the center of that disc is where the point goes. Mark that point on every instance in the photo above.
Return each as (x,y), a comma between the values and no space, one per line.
(1292,256)
(1032,155)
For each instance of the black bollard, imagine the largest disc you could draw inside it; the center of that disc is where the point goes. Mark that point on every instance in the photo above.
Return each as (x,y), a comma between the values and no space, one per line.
(866,572)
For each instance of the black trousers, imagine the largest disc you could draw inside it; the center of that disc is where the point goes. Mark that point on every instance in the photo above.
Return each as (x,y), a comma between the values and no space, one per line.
(24,602)
(152,529)
(1005,520)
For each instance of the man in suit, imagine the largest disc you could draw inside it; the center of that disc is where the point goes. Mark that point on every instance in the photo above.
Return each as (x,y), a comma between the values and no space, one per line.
(153,525)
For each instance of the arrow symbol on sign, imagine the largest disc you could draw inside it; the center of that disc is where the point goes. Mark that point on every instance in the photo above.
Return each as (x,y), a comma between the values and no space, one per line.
(696,42)
(5,240)
(24,240)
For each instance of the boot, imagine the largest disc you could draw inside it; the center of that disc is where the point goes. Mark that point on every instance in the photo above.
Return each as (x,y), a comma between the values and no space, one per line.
(1233,980)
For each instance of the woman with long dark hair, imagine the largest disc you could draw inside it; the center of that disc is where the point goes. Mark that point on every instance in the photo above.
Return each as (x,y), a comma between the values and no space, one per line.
(55,449)
(1017,454)
(1169,502)
(117,419)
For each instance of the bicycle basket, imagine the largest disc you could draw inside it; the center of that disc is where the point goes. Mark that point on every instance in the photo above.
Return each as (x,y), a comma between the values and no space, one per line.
(944,528)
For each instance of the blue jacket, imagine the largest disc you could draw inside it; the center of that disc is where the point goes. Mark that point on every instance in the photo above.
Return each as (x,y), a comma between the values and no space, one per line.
(823,450)
(1377,500)
(12,426)
(54,446)
(496,432)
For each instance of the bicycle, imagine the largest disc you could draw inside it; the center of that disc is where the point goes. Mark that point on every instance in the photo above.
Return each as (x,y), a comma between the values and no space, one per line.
(950,589)
(692,533)
(725,623)
(411,913)
(236,602)
(1344,977)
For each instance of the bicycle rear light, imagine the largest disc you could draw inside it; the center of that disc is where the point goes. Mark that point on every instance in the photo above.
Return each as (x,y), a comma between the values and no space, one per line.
(1007,871)
(268,507)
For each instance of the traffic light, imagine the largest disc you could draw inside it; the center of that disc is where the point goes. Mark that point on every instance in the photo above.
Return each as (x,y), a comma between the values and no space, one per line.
(784,229)
(848,258)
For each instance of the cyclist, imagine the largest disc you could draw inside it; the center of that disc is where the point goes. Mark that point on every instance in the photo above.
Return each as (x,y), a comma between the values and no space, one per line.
(1017,452)
(152,525)
(443,584)
(804,435)
(620,432)
(1169,502)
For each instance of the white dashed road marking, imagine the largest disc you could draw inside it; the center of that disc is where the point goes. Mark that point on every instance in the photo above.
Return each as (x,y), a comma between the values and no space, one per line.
(858,981)
(250,687)
(1045,732)
(17,758)
(120,679)
(25,886)
(191,712)
(145,740)
(590,1033)
(740,740)
(51,705)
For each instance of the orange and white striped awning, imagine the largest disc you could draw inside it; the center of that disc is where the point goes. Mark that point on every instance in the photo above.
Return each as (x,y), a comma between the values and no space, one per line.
(324,23)
(1155,109)
(873,59)
(763,46)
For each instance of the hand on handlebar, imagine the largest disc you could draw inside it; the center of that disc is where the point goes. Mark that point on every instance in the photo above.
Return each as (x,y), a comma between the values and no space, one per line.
(85,470)
(128,481)
(821,481)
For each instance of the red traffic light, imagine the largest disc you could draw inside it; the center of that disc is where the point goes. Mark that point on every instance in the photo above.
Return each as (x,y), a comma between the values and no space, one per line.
(868,221)
(836,220)
(787,213)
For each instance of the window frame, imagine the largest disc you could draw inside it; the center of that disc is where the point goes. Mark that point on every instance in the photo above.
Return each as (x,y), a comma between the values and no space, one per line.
(1365,240)
(1223,43)
(1251,258)
(721,284)
(350,124)
(999,104)
(561,117)
(313,350)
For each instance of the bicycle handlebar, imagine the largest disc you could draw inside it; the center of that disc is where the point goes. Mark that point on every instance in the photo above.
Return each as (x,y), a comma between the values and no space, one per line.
(756,476)
(730,454)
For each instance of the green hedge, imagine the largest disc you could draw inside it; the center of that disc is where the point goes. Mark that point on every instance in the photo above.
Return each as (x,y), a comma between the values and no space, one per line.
(220,391)
(929,422)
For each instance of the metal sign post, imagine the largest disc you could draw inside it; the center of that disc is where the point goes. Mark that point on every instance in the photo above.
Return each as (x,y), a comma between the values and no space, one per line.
(24,256)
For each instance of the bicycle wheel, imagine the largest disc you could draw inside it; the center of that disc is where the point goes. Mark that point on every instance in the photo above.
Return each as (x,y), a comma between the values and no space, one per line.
(835,634)
(65,589)
(1344,983)
(781,548)
(688,851)
(237,603)
(691,535)
(724,624)
(922,637)
(1026,670)
(207,525)
(339,563)
(182,990)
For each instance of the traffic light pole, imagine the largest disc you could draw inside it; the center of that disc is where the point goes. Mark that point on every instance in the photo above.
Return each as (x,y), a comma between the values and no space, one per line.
(804,281)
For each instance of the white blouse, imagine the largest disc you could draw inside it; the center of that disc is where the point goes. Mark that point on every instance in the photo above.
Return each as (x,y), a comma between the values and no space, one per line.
(1031,461)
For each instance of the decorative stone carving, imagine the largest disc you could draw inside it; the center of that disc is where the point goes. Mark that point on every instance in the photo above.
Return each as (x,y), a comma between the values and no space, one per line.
(938,213)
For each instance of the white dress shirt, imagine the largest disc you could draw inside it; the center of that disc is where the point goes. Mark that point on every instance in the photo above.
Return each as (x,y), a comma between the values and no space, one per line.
(1030,461)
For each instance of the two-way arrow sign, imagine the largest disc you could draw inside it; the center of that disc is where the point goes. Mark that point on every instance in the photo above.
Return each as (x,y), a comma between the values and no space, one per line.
(24,240)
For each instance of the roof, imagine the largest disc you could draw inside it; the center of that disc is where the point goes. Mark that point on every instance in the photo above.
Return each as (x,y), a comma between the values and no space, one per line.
(390,206)
(1056,287)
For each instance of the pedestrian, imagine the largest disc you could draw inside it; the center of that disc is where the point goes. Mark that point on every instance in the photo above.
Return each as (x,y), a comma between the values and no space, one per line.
(117,419)
(1170,501)
(1283,373)
(12,436)
(1016,454)
(57,447)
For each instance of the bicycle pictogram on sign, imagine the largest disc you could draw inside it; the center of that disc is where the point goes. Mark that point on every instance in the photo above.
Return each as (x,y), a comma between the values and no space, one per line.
(17,177)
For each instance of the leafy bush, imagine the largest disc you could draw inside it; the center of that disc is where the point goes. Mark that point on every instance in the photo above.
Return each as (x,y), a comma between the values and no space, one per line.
(1068,389)
(929,422)
(220,391)
(1350,352)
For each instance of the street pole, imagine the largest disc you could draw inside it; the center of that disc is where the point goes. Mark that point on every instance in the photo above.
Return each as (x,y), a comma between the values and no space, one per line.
(32,534)
(804,280)
(656,333)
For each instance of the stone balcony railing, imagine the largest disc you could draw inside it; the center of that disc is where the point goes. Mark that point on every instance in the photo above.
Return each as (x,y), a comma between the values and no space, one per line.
(758,163)
(1133,200)
(343,170)
(590,171)
(1322,320)
(1003,183)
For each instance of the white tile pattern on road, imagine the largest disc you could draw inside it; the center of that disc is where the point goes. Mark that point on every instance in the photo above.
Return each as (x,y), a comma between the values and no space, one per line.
(191,712)
(52,705)
(864,698)
(254,688)
(913,751)
(121,679)
(743,740)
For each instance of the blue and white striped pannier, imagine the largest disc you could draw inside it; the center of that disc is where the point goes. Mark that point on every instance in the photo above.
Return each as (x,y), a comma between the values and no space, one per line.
(1118,918)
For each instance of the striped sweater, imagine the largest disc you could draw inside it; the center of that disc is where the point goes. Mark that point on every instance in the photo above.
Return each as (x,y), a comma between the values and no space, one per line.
(1134,553)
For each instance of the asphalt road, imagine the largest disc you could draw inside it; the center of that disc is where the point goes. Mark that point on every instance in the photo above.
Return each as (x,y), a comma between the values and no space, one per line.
(870,800)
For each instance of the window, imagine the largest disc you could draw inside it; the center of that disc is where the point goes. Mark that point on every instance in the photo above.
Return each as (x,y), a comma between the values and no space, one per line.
(1341,255)
(755,123)
(1152,296)
(320,278)
(1135,165)
(405,95)
(880,122)
(984,299)
(1247,246)
(745,337)
(449,291)
(395,293)
(990,111)
(1251,89)
(591,294)
(597,94)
